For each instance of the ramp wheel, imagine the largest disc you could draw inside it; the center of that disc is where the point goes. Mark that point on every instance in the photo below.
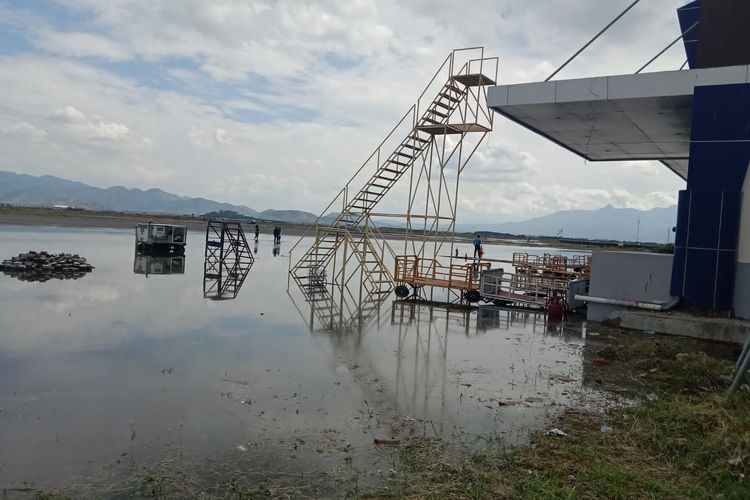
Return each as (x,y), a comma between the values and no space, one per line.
(402,291)
(472,296)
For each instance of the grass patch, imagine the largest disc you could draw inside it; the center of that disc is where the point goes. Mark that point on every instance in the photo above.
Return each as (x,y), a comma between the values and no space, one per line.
(681,444)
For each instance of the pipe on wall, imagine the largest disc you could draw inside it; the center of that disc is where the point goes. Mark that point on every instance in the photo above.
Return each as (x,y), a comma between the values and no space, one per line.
(652,306)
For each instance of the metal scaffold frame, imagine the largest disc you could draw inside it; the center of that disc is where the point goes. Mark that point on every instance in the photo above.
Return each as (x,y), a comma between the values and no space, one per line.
(420,162)
(228,260)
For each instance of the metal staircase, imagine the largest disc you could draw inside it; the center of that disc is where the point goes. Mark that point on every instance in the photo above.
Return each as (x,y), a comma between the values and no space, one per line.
(227,261)
(352,247)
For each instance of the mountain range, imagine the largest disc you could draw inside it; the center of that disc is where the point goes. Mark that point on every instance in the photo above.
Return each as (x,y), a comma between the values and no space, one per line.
(604,223)
(608,223)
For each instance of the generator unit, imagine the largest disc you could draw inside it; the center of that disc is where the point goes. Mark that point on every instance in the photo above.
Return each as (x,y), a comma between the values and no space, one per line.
(160,238)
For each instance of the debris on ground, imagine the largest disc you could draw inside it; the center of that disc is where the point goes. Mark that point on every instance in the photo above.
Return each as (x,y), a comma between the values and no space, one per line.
(555,432)
(600,361)
(509,402)
(561,378)
(43,266)
(389,442)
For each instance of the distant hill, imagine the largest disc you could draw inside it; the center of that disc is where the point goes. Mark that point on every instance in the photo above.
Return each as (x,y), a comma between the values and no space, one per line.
(297,216)
(608,222)
(226,214)
(46,191)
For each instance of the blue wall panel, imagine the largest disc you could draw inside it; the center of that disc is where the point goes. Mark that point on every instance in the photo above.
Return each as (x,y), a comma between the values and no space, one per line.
(705,212)
(730,221)
(700,280)
(726,268)
(688,15)
(708,215)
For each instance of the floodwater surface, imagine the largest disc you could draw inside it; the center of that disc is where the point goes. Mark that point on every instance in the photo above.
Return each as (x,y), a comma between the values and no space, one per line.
(106,375)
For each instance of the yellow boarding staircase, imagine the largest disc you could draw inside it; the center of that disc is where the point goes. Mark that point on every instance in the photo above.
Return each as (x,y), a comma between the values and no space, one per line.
(352,238)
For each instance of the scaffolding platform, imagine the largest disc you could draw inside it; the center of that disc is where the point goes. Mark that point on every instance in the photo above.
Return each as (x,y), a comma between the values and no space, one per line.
(228,260)
(418,271)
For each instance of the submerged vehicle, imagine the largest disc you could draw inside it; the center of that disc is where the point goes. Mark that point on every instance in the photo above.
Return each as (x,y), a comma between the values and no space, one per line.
(160,238)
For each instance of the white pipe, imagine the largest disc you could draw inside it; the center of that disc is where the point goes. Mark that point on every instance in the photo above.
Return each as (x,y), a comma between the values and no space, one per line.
(631,303)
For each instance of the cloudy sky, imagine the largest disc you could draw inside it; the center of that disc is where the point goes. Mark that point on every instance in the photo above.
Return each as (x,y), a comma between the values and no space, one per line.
(272,103)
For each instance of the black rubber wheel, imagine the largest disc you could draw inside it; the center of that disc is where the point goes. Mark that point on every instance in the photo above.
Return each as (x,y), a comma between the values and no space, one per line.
(472,296)
(402,291)
(500,303)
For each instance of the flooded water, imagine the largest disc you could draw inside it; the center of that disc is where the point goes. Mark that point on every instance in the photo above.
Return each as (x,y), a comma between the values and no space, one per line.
(120,370)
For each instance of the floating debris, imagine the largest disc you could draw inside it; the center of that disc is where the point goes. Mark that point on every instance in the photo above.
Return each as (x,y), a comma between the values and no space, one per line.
(387,441)
(561,377)
(509,402)
(43,266)
(556,433)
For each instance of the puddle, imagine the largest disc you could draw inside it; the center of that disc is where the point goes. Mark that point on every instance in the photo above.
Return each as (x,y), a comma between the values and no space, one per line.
(127,370)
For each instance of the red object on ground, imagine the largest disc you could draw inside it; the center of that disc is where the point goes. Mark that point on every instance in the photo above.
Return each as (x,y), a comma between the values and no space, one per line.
(555,310)
(600,361)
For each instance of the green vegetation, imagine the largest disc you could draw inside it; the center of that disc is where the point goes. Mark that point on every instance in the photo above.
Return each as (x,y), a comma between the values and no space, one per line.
(682,441)
(227,214)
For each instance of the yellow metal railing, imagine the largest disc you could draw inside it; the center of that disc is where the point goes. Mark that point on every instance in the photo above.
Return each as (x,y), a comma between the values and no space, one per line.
(416,270)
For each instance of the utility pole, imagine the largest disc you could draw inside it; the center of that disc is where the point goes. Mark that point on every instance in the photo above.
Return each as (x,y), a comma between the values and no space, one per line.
(638,231)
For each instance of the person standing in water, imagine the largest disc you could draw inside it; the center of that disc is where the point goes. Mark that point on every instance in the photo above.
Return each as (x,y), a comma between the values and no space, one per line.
(257,232)
(478,247)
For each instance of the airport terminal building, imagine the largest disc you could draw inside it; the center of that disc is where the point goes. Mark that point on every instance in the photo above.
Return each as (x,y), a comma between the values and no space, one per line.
(696,121)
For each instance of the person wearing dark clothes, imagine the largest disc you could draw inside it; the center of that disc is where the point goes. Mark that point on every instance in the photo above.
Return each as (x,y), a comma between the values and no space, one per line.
(478,247)
(279,240)
(257,232)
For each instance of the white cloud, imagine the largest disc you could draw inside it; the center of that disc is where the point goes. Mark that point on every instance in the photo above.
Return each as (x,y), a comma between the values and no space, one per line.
(274,104)
(24,131)
(81,45)
(69,115)
(78,121)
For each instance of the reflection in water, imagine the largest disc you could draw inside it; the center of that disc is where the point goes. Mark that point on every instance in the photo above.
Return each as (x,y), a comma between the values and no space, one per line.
(158,264)
(227,260)
(451,366)
(276,249)
(87,364)
(340,308)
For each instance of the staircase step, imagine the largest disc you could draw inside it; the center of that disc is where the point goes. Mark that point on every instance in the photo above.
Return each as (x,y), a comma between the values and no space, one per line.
(443,105)
(454,88)
(390,170)
(374,193)
(402,164)
(417,138)
(389,179)
(434,122)
(449,97)
(405,155)
(437,113)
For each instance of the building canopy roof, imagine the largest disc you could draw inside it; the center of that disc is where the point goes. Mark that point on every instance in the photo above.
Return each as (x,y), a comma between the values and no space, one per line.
(625,117)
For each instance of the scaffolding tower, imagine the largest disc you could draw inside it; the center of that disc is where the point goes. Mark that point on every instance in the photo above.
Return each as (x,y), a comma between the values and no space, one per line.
(228,260)
(410,182)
